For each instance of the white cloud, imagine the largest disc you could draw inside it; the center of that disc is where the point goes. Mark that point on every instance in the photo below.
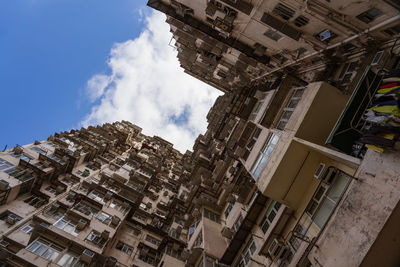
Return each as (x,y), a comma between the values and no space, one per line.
(149,88)
(96,86)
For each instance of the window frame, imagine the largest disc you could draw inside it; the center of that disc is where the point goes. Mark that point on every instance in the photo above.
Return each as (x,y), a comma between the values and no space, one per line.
(263,156)
(290,107)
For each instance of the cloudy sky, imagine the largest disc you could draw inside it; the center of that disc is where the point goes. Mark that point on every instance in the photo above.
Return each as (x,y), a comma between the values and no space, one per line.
(147,87)
(72,63)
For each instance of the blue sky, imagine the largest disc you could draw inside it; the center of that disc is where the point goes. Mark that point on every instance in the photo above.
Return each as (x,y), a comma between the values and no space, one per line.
(51,50)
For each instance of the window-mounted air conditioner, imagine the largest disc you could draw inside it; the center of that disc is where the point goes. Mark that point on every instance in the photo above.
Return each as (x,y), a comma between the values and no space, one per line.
(81,224)
(115,220)
(319,171)
(11,219)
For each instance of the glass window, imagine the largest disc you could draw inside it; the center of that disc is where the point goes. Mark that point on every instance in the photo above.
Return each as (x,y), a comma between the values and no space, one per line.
(96,196)
(4,164)
(124,248)
(153,240)
(38,150)
(229,208)
(269,216)
(326,197)
(290,107)
(247,253)
(27,229)
(104,218)
(45,249)
(71,259)
(96,238)
(66,225)
(265,152)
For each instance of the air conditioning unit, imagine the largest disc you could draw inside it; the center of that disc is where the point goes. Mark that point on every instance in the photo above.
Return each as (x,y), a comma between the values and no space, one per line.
(3,185)
(227,232)
(4,244)
(11,219)
(275,248)
(320,170)
(59,189)
(115,220)
(87,256)
(17,150)
(105,234)
(81,224)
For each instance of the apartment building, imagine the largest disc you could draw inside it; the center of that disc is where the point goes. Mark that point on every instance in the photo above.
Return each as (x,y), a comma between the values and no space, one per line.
(284,175)
(101,196)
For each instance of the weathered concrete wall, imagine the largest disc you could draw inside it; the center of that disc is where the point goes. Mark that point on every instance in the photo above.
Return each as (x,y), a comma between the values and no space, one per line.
(357,223)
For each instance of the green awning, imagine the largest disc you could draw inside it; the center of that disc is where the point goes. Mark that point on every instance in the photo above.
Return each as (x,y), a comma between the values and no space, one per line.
(348,128)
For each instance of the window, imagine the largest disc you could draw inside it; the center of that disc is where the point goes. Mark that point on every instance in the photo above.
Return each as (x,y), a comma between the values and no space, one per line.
(27,229)
(199,239)
(71,259)
(192,228)
(4,195)
(96,238)
(290,107)
(140,217)
(327,195)
(283,11)
(22,155)
(251,143)
(153,240)
(38,150)
(264,155)
(35,201)
(211,215)
(104,218)
(347,72)
(301,21)
(57,159)
(269,216)
(237,223)
(147,257)
(124,248)
(45,249)
(52,190)
(133,230)
(369,15)
(4,216)
(294,241)
(118,206)
(86,209)
(66,225)
(20,174)
(395,30)
(229,208)
(258,106)
(326,36)
(247,253)
(174,234)
(274,35)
